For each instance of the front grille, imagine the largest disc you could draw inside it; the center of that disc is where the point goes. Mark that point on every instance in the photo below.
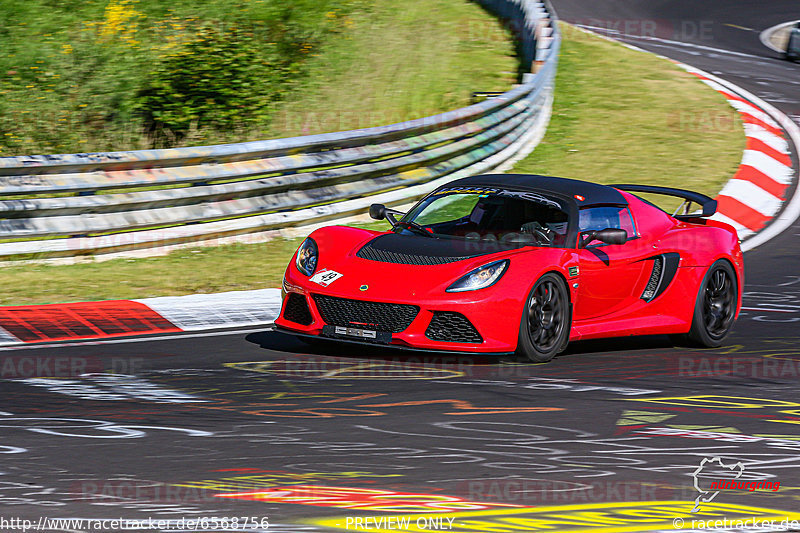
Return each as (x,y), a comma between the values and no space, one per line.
(297,310)
(448,326)
(385,256)
(377,316)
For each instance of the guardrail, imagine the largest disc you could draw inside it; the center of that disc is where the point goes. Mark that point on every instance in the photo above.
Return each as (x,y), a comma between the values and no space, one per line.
(209,192)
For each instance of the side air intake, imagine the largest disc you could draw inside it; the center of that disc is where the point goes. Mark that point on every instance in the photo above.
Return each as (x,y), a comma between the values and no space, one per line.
(664,268)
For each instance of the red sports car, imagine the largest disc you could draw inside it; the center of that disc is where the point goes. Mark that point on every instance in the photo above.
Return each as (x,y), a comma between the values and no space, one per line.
(519,263)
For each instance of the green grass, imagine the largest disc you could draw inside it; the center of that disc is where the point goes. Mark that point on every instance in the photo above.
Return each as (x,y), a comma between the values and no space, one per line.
(402,64)
(200,270)
(615,119)
(74,76)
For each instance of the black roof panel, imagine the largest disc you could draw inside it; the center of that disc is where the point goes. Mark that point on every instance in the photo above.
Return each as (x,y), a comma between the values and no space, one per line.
(593,193)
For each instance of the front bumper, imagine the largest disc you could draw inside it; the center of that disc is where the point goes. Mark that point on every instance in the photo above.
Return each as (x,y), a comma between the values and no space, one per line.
(494,317)
(402,347)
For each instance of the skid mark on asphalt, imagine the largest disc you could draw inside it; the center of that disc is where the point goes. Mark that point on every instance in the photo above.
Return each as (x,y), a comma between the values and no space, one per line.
(324,369)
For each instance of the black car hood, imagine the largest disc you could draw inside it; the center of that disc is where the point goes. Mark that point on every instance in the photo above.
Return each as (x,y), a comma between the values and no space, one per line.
(417,250)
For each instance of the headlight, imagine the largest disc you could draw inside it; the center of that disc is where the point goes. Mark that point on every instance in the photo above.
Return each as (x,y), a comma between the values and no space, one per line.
(480,278)
(306,261)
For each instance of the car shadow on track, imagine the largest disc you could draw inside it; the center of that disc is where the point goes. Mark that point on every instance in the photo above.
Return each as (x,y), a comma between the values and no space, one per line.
(287,343)
(623,347)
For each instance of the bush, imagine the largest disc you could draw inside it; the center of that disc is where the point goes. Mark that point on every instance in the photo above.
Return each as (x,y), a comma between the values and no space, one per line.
(221,80)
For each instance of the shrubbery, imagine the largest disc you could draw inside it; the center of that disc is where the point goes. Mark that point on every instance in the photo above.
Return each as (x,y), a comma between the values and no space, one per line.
(103,75)
(228,76)
(119,74)
(220,80)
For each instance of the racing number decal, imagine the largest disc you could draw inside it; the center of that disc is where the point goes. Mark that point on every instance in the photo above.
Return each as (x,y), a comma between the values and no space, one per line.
(325,277)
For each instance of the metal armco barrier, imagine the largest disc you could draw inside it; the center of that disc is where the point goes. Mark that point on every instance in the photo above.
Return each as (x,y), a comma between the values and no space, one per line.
(70,205)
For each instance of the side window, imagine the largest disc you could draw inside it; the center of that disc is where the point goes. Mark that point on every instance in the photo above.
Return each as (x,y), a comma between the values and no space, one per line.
(597,218)
(626,222)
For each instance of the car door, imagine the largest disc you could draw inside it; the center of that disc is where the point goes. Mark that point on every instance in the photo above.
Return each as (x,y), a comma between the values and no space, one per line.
(610,275)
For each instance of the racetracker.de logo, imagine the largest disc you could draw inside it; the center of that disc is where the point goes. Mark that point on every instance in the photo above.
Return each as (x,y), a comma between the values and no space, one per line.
(48,366)
(726,477)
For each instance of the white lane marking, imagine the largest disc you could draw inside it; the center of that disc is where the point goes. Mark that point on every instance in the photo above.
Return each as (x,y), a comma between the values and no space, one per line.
(768,165)
(670,42)
(177,336)
(767,310)
(111,387)
(767,137)
(752,196)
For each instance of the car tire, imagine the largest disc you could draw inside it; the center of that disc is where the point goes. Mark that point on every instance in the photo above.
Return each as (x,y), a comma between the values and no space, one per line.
(715,307)
(546,320)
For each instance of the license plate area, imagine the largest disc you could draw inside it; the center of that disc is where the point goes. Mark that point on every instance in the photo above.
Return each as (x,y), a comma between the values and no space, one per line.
(367,335)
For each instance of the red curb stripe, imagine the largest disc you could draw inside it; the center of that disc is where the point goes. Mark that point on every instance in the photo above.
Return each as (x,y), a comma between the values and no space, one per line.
(731,96)
(760,146)
(761,180)
(741,213)
(747,117)
(83,320)
(750,119)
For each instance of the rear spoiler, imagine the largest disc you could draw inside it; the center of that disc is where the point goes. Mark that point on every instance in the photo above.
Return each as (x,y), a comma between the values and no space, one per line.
(708,205)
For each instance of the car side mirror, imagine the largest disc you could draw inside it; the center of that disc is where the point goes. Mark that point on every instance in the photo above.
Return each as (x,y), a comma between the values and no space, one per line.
(607,236)
(377,211)
(380,212)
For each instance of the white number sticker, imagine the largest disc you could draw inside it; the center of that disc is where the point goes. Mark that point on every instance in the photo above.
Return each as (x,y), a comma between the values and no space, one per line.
(325,277)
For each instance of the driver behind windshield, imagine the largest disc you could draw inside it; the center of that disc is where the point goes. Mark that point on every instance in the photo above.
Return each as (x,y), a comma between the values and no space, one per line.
(505,217)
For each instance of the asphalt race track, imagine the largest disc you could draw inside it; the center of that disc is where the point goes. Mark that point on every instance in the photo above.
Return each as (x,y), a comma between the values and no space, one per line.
(237,424)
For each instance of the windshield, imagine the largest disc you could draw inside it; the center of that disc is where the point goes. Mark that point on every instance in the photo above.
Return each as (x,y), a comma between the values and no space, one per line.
(492,215)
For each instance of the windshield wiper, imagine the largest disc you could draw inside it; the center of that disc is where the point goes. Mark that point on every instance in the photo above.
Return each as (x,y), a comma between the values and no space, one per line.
(414,227)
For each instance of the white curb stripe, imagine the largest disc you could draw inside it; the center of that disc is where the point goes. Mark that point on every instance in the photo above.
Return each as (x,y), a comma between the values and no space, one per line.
(743,107)
(753,111)
(7,338)
(227,309)
(745,191)
(767,137)
(768,165)
(752,196)
(714,85)
(741,230)
(792,211)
